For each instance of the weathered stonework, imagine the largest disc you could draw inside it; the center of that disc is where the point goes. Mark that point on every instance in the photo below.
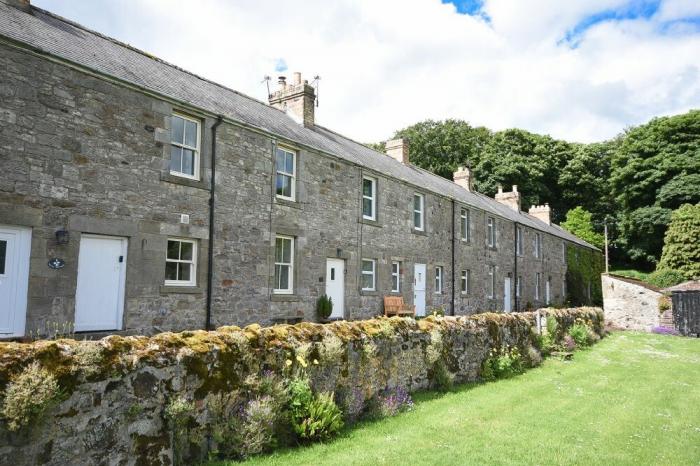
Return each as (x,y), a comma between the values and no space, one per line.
(631,304)
(88,154)
(116,390)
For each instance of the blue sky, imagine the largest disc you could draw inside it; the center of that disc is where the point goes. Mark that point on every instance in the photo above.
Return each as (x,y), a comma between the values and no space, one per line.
(581,70)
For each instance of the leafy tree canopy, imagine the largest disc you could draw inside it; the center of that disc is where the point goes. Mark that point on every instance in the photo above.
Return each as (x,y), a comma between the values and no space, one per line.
(578,221)
(681,251)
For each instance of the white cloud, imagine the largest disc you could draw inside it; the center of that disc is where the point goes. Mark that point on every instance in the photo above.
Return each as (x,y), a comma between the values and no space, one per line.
(387,64)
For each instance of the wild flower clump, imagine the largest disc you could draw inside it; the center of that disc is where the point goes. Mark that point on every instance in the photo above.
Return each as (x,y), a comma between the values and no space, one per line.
(393,402)
(502,363)
(665,331)
(257,431)
(582,333)
(29,396)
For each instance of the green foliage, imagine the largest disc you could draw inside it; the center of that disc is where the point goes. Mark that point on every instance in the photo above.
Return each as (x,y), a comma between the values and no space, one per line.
(681,252)
(583,269)
(442,378)
(578,221)
(28,396)
(324,306)
(637,178)
(257,429)
(663,278)
(502,363)
(300,397)
(321,419)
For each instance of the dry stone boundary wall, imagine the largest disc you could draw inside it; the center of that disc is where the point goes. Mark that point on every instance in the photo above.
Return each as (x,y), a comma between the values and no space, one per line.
(115,390)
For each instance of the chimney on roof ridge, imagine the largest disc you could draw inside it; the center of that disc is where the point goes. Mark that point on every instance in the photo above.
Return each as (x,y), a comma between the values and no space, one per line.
(463,177)
(511,199)
(296,99)
(24,5)
(397,149)
(541,212)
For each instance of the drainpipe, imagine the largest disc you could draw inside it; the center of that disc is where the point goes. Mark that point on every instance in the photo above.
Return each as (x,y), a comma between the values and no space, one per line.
(210,264)
(515,268)
(452,303)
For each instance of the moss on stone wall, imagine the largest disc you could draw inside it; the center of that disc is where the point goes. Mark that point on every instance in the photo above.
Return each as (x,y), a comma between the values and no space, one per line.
(104,382)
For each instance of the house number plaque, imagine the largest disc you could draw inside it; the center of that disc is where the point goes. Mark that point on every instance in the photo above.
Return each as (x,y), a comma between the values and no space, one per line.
(56,263)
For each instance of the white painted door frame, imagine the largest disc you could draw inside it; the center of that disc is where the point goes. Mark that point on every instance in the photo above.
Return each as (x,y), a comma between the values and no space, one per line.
(14,279)
(100,291)
(419,281)
(507,304)
(335,286)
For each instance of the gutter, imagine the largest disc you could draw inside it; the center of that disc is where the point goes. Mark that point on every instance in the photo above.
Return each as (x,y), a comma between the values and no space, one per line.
(212,205)
(515,267)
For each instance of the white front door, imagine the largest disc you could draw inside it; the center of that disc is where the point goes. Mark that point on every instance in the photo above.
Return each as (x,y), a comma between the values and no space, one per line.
(506,295)
(335,286)
(419,288)
(99,298)
(15,246)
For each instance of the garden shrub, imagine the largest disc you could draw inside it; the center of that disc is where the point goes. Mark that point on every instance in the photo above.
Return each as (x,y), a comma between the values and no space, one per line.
(324,307)
(582,333)
(502,363)
(313,417)
(29,396)
(663,278)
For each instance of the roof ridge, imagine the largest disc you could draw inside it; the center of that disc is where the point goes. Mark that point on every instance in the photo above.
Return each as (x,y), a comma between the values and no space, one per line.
(147,54)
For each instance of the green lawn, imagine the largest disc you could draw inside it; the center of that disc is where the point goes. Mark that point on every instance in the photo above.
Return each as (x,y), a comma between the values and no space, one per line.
(631,273)
(632,399)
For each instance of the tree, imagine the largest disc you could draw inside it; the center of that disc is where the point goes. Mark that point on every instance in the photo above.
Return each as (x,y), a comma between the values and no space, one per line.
(578,222)
(681,251)
(641,234)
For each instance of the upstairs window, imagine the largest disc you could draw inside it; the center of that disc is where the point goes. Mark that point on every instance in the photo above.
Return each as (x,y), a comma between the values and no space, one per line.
(465,220)
(285,167)
(519,241)
(438,280)
(418,208)
(284,265)
(563,252)
(369,278)
(491,232)
(369,198)
(181,262)
(538,245)
(184,147)
(395,277)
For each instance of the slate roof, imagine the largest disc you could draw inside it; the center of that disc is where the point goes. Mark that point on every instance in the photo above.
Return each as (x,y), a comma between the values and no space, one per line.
(53,35)
(692,285)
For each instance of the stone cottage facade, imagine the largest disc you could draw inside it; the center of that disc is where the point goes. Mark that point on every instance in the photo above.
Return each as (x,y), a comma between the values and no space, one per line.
(135,196)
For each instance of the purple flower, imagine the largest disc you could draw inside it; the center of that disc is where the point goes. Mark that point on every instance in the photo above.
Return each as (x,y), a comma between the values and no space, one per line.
(664,331)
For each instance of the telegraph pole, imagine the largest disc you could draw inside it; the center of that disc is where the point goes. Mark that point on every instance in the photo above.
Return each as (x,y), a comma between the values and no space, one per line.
(605,229)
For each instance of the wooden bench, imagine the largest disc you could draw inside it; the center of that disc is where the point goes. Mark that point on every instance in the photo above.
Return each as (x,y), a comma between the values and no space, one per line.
(394,306)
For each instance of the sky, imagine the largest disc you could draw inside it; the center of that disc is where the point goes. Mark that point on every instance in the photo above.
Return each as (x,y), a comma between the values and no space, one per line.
(580,70)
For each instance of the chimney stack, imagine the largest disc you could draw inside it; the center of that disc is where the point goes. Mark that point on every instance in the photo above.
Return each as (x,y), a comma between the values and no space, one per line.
(463,177)
(296,99)
(541,212)
(24,5)
(398,149)
(511,199)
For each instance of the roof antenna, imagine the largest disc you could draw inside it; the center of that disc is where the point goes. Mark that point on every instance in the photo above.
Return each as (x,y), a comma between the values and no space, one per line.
(266,80)
(315,83)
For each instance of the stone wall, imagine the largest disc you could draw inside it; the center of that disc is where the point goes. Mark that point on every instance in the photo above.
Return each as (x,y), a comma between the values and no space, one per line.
(631,304)
(115,391)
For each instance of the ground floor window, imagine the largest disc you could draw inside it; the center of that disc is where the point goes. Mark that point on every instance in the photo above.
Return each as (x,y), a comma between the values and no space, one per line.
(538,280)
(369,282)
(492,281)
(438,280)
(284,264)
(181,262)
(396,277)
(466,278)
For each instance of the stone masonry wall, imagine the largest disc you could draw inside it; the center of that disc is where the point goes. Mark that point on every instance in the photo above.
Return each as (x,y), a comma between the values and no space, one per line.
(80,153)
(115,391)
(629,304)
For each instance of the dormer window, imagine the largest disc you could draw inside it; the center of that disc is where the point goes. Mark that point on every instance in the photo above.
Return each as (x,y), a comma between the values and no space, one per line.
(286,171)
(184,147)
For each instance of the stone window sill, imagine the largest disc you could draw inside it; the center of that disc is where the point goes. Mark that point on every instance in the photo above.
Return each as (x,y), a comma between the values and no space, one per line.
(374,223)
(167,289)
(369,293)
(288,203)
(169,178)
(284,297)
(419,232)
